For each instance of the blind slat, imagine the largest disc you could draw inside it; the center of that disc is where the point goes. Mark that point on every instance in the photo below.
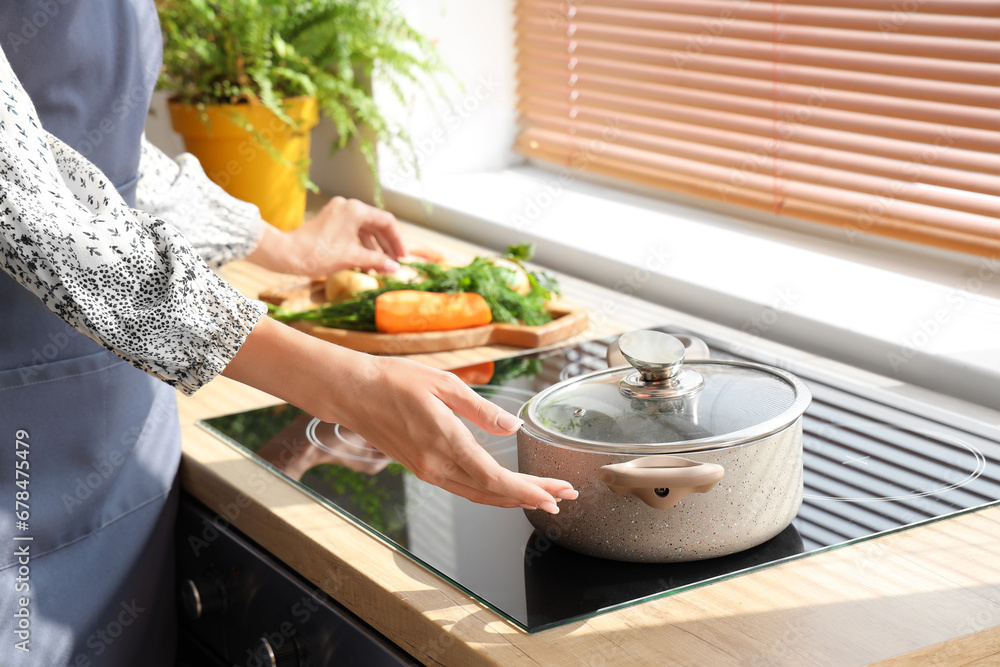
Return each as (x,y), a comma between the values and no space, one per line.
(740,166)
(664,65)
(980,70)
(742,152)
(975,8)
(784,37)
(716,17)
(815,97)
(608,106)
(815,113)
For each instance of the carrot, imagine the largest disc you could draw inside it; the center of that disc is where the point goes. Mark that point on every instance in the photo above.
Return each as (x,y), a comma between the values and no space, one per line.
(407,311)
(476,374)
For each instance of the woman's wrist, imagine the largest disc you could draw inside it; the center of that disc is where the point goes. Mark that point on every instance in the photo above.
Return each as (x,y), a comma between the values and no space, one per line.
(276,251)
(307,372)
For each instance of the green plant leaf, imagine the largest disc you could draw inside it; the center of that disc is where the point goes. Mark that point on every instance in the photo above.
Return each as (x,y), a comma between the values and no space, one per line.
(232,51)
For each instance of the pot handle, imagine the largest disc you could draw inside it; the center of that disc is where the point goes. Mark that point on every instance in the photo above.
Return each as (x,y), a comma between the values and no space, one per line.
(661,481)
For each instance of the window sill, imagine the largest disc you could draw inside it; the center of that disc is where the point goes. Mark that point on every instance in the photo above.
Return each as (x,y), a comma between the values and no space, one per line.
(920,316)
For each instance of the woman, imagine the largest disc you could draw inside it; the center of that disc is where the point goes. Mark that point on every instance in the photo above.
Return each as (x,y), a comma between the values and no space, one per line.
(93,293)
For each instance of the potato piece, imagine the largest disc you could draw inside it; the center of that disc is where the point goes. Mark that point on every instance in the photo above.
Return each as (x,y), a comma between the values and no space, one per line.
(405,274)
(348,281)
(519,283)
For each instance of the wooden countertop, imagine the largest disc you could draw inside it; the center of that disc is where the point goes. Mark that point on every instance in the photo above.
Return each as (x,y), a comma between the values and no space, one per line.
(927,595)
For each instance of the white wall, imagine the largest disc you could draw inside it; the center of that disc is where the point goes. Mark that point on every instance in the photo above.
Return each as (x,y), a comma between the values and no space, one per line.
(158,129)
(473,127)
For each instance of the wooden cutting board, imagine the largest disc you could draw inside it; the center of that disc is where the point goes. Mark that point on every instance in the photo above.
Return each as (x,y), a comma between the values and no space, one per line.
(301,295)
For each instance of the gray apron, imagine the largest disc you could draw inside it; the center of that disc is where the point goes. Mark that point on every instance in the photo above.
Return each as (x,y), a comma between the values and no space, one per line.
(87,579)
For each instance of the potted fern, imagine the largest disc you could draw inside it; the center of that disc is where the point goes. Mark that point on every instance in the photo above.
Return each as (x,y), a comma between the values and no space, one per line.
(248,79)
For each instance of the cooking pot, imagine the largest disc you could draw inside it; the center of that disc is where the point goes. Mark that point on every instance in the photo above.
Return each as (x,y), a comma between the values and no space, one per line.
(674,461)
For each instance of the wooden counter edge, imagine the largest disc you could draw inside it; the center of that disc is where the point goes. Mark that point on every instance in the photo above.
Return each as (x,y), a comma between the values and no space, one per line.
(977,650)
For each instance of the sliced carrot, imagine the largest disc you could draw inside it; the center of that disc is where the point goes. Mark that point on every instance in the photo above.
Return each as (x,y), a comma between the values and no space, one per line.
(427,255)
(476,374)
(409,311)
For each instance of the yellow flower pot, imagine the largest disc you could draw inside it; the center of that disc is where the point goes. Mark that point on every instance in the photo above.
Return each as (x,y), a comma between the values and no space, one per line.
(236,160)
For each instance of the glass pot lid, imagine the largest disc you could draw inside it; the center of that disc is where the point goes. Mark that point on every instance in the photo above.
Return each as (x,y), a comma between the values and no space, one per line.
(660,404)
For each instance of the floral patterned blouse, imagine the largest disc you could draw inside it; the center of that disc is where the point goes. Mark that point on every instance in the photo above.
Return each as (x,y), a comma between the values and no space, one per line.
(139,282)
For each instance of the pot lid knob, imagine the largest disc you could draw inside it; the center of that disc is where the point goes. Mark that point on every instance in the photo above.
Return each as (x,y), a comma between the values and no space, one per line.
(656,355)
(659,359)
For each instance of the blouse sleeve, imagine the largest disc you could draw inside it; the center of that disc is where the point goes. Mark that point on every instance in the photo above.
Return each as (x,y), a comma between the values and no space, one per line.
(125,278)
(219,226)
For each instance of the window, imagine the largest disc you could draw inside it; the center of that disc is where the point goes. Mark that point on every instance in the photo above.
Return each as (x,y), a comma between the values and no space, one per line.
(876,116)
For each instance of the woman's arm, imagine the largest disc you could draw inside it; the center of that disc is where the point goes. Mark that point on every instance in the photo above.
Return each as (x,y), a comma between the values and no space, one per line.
(219,226)
(405,409)
(128,280)
(345,234)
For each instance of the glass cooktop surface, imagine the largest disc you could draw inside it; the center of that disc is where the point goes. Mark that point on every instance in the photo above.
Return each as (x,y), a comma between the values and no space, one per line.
(870,468)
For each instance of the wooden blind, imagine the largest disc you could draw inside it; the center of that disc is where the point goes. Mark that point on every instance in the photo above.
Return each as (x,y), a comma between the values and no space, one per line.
(878,116)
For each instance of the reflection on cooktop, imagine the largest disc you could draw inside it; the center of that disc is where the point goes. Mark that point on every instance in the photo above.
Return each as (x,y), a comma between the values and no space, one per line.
(564,584)
(870,468)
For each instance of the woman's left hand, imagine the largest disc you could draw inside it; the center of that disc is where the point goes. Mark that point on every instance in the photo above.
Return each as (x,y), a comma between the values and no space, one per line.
(345,234)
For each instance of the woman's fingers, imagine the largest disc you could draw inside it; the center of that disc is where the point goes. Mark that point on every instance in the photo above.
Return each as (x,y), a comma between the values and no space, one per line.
(560,489)
(385,227)
(368,240)
(460,460)
(390,243)
(461,483)
(473,466)
(557,488)
(486,415)
(477,495)
(343,235)
(448,455)
(482,469)
(381,224)
(365,259)
(429,439)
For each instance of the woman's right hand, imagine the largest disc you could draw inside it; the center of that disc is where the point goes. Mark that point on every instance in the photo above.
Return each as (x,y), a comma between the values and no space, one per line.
(408,411)
(403,408)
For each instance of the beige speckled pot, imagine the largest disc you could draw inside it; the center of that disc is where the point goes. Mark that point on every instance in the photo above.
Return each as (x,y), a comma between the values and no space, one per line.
(673,461)
(757,497)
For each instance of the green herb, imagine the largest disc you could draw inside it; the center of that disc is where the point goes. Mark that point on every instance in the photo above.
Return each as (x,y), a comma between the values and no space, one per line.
(522,252)
(480,276)
(505,370)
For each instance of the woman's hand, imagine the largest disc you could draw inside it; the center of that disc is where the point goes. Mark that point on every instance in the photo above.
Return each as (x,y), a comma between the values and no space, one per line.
(403,408)
(408,411)
(346,234)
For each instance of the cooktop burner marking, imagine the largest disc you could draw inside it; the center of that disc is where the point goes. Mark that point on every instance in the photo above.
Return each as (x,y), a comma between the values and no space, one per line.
(976,472)
(575,368)
(338,432)
(863,460)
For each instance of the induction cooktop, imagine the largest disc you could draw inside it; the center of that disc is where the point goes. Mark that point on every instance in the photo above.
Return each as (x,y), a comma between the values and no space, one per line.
(874,463)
